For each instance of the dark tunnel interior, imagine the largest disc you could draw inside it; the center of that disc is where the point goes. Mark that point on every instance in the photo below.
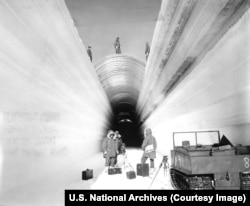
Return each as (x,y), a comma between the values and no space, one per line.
(126,120)
(121,76)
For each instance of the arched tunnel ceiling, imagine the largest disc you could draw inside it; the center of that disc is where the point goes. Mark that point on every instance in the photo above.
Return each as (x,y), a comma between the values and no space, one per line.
(53,109)
(121,76)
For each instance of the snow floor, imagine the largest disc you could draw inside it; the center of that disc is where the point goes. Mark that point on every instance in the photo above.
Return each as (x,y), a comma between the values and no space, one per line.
(48,188)
(160,179)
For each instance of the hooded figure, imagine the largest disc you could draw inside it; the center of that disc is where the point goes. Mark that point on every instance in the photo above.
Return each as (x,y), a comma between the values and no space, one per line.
(117,46)
(118,140)
(89,52)
(110,149)
(149,146)
(147,50)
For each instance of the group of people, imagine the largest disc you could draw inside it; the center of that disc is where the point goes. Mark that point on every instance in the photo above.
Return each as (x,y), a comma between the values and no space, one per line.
(117,46)
(112,146)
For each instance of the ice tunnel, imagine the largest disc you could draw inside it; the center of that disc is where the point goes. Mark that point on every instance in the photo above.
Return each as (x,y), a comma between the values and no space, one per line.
(56,105)
(121,77)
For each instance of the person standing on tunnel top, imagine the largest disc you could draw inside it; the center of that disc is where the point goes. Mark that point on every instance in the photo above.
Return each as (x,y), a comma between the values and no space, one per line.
(89,53)
(147,50)
(149,146)
(117,46)
(110,150)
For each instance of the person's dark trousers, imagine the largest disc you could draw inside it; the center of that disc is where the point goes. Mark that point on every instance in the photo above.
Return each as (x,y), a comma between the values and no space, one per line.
(110,161)
(144,159)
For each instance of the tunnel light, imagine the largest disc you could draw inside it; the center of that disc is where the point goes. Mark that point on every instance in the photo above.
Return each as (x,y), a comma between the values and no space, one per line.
(125,120)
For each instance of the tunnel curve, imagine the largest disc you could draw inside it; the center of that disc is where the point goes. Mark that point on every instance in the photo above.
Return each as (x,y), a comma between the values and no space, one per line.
(121,76)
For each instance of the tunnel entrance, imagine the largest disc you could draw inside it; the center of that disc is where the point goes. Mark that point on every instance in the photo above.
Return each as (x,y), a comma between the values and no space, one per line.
(121,77)
(127,122)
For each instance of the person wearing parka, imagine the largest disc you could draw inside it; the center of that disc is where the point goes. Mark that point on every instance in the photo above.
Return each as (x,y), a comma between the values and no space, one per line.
(110,149)
(149,146)
(147,50)
(118,138)
(117,46)
(89,53)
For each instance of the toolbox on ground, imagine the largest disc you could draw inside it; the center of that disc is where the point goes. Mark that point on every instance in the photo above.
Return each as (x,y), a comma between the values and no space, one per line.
(114,170)
(142,170)
(87,174)
(130,173)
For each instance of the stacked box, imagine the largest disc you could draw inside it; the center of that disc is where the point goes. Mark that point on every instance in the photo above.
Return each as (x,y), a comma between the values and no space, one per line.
(118,170)
(114,170)
(142,170)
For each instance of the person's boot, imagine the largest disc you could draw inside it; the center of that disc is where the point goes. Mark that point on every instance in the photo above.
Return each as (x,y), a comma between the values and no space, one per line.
(151,171)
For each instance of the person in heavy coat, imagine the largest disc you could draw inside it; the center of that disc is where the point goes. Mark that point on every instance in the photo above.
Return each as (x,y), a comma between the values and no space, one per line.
(149,146)
(118,138)
(89,53)
(110,149)
(147,50)
(117,46)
